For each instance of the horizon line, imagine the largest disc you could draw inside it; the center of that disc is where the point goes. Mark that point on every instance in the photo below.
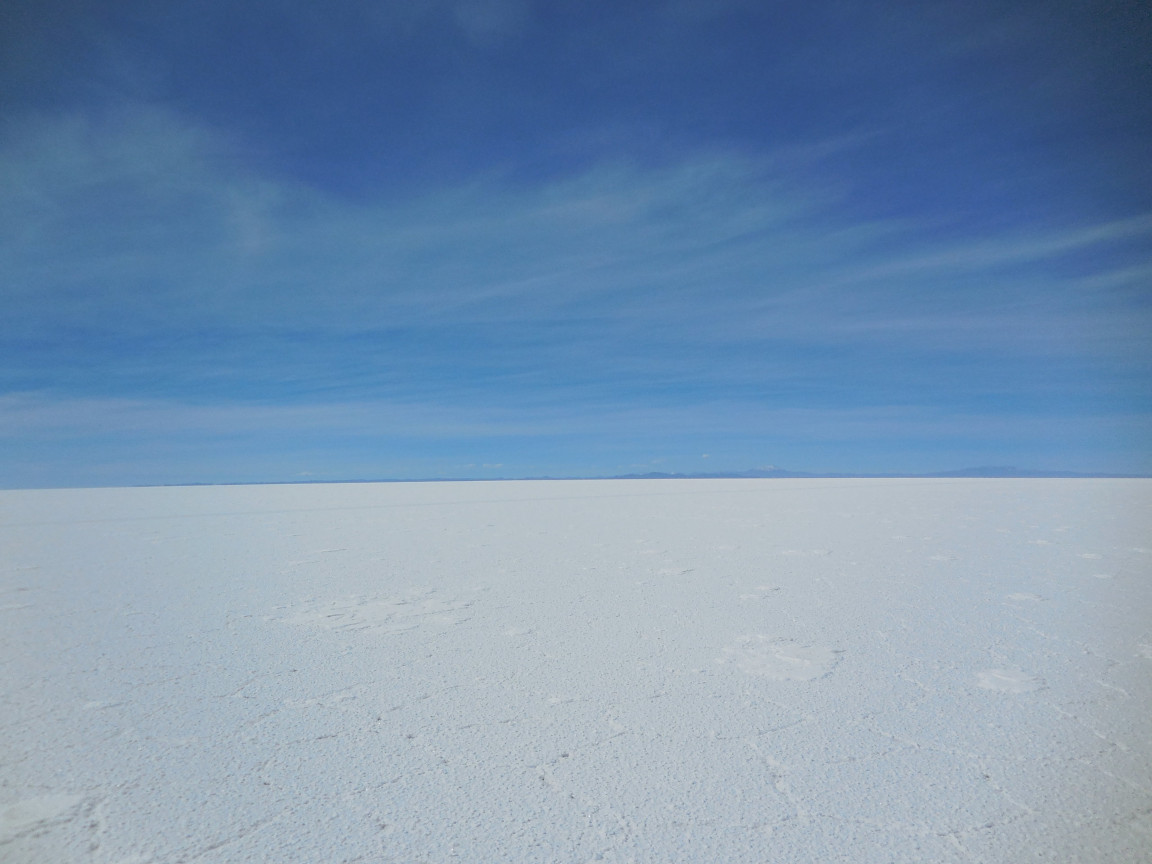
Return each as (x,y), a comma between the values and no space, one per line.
(773,473)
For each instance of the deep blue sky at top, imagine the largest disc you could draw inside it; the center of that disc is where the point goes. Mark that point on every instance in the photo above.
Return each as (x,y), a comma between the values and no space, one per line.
(281,240)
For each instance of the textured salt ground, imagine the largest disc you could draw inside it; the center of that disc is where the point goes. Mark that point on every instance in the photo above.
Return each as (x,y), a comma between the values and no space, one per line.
(763,670)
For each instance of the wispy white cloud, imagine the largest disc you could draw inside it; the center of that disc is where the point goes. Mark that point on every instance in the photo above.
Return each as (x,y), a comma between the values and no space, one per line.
(32,414)
(142,219)
(483,23)
(982,254)
(487,20)
(713,293)
(142,213)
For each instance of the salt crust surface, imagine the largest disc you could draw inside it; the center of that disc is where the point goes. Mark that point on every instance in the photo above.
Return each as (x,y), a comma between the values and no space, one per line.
(744,670)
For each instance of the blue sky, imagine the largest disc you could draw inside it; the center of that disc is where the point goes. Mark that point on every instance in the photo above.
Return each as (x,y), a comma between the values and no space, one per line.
(281,240)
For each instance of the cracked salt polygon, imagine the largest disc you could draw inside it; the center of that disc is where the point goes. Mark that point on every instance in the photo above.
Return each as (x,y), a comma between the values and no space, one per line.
(1009,680)
(31,813)
(367,613)
(781,659)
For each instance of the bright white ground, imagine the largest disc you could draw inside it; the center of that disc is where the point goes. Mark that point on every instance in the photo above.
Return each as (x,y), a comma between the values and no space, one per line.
(712,671)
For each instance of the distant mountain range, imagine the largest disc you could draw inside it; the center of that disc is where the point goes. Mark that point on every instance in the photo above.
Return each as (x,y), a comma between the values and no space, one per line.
(771,471)
(987,471)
